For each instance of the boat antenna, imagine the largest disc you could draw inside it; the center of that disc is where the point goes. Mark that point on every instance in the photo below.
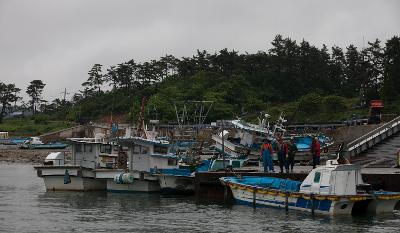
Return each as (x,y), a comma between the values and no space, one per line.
(141,129)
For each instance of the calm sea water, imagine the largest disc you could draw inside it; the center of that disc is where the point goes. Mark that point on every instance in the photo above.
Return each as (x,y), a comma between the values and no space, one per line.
(25,206)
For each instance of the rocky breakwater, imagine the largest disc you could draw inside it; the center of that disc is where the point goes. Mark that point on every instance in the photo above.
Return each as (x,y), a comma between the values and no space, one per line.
(12,154)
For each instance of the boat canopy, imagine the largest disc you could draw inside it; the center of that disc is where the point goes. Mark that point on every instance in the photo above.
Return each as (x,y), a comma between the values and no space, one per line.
(266,182)
(333,179)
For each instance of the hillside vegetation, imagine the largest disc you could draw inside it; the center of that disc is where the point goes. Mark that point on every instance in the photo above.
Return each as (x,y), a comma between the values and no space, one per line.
(306,83)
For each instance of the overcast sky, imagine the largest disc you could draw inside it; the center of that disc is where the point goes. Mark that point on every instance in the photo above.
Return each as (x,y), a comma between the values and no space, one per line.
(59,41)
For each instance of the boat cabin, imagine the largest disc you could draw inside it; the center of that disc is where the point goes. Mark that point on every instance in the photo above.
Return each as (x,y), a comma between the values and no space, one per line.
(93,153)
(34,141)
(3,135)
(55,159)
(333,179)
(148,154)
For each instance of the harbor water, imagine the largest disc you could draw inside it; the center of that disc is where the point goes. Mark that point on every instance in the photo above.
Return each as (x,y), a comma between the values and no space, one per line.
(25,206)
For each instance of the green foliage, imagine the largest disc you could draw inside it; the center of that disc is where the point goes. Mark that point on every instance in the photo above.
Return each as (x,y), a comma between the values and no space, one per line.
(27,127)
(310,103)
(34,90)
(8,95)
(40,119)
(334,104)
(391,85)
(304,82)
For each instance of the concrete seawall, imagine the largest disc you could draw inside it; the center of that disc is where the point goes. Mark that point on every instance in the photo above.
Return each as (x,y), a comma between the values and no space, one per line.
(73,132)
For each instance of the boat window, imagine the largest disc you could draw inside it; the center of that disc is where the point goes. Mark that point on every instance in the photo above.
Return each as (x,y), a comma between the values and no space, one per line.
(144,150)
(78,148)
(136,149)
(88,148)
(105,149)
(317,177)
(160,149)
(172,162)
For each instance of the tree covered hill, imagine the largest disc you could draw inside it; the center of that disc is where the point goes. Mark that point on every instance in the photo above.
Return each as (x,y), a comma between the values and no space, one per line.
(305,82)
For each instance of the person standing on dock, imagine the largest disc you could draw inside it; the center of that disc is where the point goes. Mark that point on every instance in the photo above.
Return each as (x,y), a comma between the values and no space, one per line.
(282,149)
(266,154)
(291,153)
(316,152)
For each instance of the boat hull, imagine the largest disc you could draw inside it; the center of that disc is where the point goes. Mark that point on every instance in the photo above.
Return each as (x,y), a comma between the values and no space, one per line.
(44,146)
(176,184)
(140,181)
(56,183)
(82,179)
(135,186)
(319,204)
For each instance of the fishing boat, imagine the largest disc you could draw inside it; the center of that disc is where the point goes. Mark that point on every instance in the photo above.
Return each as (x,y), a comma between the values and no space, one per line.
(180,180)
(6,140)
(145,155)
(79,174)
(36,143)
(333,189)
(175,181)
(224,163)
(244,139)
(304,142)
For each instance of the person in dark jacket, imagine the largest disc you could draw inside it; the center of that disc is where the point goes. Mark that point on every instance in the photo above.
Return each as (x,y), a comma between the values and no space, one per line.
(316,152)
(291,153)
(282,150)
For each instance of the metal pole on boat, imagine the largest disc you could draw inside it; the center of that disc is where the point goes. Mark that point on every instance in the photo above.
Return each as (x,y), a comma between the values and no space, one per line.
(226,193)
(254,196)
(223,144)
(312,198)
(287,201)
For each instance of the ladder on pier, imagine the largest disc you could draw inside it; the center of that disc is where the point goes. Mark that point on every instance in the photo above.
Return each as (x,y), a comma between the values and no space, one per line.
(372,138)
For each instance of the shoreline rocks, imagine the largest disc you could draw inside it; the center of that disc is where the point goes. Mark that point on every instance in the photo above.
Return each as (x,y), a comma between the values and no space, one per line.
(12,154)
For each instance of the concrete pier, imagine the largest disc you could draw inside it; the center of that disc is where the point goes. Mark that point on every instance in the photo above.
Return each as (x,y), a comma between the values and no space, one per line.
(372,138)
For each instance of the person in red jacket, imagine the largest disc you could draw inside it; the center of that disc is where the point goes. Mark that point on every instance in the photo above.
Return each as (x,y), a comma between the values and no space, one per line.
(316,152)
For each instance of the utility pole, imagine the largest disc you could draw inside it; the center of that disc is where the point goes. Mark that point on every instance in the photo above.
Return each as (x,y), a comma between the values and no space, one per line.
(65,94)
(223,144)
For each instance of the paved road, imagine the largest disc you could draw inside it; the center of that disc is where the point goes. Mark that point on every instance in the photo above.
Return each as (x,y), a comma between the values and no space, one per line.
(380,156)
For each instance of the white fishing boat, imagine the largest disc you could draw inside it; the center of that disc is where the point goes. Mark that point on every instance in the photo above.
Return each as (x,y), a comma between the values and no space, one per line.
(144,157)
(244,139)
(331,189)
(78,174)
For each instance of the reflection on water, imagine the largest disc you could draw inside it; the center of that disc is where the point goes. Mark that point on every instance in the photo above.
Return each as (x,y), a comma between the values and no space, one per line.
(26,207)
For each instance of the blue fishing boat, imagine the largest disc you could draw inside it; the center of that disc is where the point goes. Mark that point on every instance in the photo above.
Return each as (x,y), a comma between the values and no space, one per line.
(36,143)
(332,189)
(304,142)
(5,140)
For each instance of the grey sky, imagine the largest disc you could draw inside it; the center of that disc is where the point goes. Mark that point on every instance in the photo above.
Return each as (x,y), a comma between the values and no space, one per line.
(58,41)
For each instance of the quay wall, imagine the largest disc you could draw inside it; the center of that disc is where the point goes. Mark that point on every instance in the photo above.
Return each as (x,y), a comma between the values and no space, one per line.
(73,132)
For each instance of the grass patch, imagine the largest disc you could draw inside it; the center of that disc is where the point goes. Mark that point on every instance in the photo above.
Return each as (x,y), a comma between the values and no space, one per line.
(29,127)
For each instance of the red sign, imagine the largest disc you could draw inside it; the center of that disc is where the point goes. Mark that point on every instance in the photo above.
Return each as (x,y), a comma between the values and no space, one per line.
(376,104)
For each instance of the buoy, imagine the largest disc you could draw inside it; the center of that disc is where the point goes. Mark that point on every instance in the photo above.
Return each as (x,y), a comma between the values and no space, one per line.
(67,178)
